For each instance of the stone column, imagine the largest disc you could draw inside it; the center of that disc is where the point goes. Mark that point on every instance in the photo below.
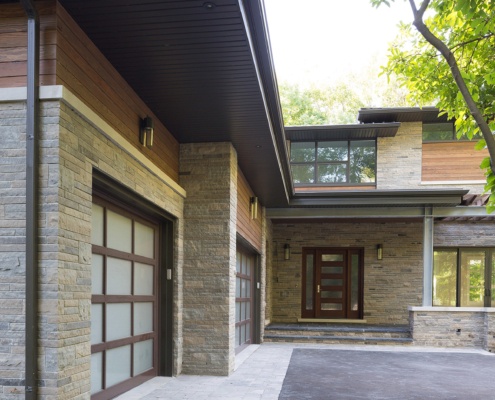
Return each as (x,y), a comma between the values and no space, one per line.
(208,172)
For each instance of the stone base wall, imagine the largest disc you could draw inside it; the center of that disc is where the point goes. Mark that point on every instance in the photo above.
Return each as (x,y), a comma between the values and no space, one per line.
(453,327)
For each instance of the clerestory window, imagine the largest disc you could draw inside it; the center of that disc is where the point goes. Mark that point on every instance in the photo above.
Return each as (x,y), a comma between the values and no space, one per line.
(347,162)
(443,132)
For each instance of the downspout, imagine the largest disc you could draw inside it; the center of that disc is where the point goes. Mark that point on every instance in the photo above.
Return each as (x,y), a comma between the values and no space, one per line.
(32,201)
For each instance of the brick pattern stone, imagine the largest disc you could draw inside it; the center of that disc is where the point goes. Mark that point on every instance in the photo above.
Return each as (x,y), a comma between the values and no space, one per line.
(390,285)
(208,172)
(399,158)
(464,233)
(70,148)
(451,328)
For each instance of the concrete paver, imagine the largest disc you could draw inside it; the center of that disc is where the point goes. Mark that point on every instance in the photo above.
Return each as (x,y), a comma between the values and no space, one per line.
(259,374)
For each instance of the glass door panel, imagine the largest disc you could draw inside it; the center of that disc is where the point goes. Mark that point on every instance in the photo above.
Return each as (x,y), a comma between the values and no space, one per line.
(445,278)
(472,278)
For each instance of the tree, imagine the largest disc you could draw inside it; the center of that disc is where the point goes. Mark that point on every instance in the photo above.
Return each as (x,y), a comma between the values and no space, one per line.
(449,60)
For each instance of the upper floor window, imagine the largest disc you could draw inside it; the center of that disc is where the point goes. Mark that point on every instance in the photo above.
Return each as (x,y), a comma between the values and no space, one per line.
(442,132)
(349,162)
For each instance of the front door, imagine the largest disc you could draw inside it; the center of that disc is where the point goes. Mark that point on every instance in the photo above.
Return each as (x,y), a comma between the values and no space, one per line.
(332,282)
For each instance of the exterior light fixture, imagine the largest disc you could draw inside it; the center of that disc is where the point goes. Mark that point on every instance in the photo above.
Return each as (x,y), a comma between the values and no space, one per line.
(209,5)
(287,251)
(253,207)
(146,132)
(379,252)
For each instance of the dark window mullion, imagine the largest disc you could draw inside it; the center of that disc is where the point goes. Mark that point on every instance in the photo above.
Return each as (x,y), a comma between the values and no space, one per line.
(458,283)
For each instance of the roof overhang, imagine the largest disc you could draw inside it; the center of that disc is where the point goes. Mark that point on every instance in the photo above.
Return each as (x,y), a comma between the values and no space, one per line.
(341,132)
(401,114)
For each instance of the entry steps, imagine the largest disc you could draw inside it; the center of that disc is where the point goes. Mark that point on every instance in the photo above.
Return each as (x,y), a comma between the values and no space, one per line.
(339,334)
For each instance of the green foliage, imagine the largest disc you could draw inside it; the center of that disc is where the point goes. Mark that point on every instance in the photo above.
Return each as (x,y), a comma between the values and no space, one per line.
(467,27)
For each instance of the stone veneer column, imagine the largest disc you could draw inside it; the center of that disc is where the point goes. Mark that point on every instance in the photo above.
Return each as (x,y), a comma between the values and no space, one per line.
(208,172)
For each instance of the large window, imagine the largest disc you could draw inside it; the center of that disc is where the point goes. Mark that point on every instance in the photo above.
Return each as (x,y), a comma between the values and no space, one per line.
(334,163)
(442,132)
(464,277)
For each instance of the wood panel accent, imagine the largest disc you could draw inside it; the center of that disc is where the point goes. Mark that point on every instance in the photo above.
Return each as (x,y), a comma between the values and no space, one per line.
(249,229)
(89,75)
(452,161)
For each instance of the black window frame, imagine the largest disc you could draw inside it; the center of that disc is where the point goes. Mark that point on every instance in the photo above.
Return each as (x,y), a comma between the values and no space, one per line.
(453,137)
(346,162)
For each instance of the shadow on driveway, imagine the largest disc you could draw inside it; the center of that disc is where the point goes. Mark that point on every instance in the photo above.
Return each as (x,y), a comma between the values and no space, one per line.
(344,374)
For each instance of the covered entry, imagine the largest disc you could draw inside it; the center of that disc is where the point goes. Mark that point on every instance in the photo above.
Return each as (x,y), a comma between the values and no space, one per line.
(332,283)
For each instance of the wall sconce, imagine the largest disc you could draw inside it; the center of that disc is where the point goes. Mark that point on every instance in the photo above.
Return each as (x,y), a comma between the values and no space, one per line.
(287,251)
(253,207)
(379,252)
(146,132)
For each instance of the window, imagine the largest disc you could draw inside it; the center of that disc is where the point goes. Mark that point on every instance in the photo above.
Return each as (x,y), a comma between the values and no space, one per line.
(334,163)
(442,132)
(464,277)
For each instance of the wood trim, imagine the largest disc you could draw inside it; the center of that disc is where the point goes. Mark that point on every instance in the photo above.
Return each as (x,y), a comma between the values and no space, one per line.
(249,229)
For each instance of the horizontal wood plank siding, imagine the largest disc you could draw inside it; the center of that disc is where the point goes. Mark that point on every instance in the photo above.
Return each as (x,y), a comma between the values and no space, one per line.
(89,75)
(452,161)
(13,44)
(249,229)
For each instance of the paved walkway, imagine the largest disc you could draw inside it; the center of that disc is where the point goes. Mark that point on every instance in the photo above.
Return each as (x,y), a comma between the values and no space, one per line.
(259,374)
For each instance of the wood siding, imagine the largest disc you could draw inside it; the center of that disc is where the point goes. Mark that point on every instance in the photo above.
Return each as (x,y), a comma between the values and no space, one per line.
(452,161)
(249,229)
(69,58)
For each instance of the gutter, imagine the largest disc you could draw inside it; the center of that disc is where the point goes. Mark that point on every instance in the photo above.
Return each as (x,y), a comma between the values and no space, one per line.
(32,201)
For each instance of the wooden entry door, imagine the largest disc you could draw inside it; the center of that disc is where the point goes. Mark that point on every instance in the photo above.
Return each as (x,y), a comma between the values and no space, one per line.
(332,282)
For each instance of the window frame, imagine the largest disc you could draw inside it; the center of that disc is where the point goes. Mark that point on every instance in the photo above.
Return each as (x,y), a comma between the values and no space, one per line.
(453,137)
(346,162)
(488,273)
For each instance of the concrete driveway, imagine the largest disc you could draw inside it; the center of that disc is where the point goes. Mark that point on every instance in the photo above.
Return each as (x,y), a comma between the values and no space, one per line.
(294,371)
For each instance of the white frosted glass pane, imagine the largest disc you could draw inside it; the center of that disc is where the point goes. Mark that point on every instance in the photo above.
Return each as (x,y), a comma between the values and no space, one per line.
(143,318)
(96,274)
(119,274)
(97,225)
(118,365)
(119,232)
(96,323)
(118,321)
(96,372)
(143,356)
(143,279)
(144,242)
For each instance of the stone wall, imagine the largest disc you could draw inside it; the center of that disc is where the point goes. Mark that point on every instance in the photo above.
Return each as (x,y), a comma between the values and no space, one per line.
(464,234)
(390,285)
(208,171)
(453,327)
(399,158)
(71,147)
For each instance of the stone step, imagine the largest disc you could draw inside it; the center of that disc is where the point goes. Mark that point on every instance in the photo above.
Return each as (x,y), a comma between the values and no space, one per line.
(336,340)
(338,334)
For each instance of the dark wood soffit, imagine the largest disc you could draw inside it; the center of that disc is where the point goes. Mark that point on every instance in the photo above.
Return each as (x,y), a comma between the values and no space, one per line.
(400,114)
(194,68)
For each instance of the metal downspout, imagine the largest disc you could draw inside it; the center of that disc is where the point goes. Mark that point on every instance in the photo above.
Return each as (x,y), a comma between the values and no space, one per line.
(32,201)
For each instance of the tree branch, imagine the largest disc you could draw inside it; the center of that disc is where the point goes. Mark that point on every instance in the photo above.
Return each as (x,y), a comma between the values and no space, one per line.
(456,73)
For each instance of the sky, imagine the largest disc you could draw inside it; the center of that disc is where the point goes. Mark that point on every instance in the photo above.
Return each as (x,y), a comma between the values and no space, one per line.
(320,41)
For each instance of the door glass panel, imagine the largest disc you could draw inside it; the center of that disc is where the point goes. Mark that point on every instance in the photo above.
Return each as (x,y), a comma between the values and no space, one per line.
(237,287)
(309,281)
(96,274)
(444,278)
(238,263)
(472,278)
(119,232)
(96,323)
(332,270)
(332,282)
(143,356)
(97,225)
(144,242)
(331,294)
(238,311)
(118,321)
(143,279)
(331,306)
(143,318)
(118,276)
(354,282)
(332,257)
(118,365)
(96,372)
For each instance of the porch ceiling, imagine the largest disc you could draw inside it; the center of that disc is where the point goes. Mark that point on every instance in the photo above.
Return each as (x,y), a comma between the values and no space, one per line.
(204,69)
